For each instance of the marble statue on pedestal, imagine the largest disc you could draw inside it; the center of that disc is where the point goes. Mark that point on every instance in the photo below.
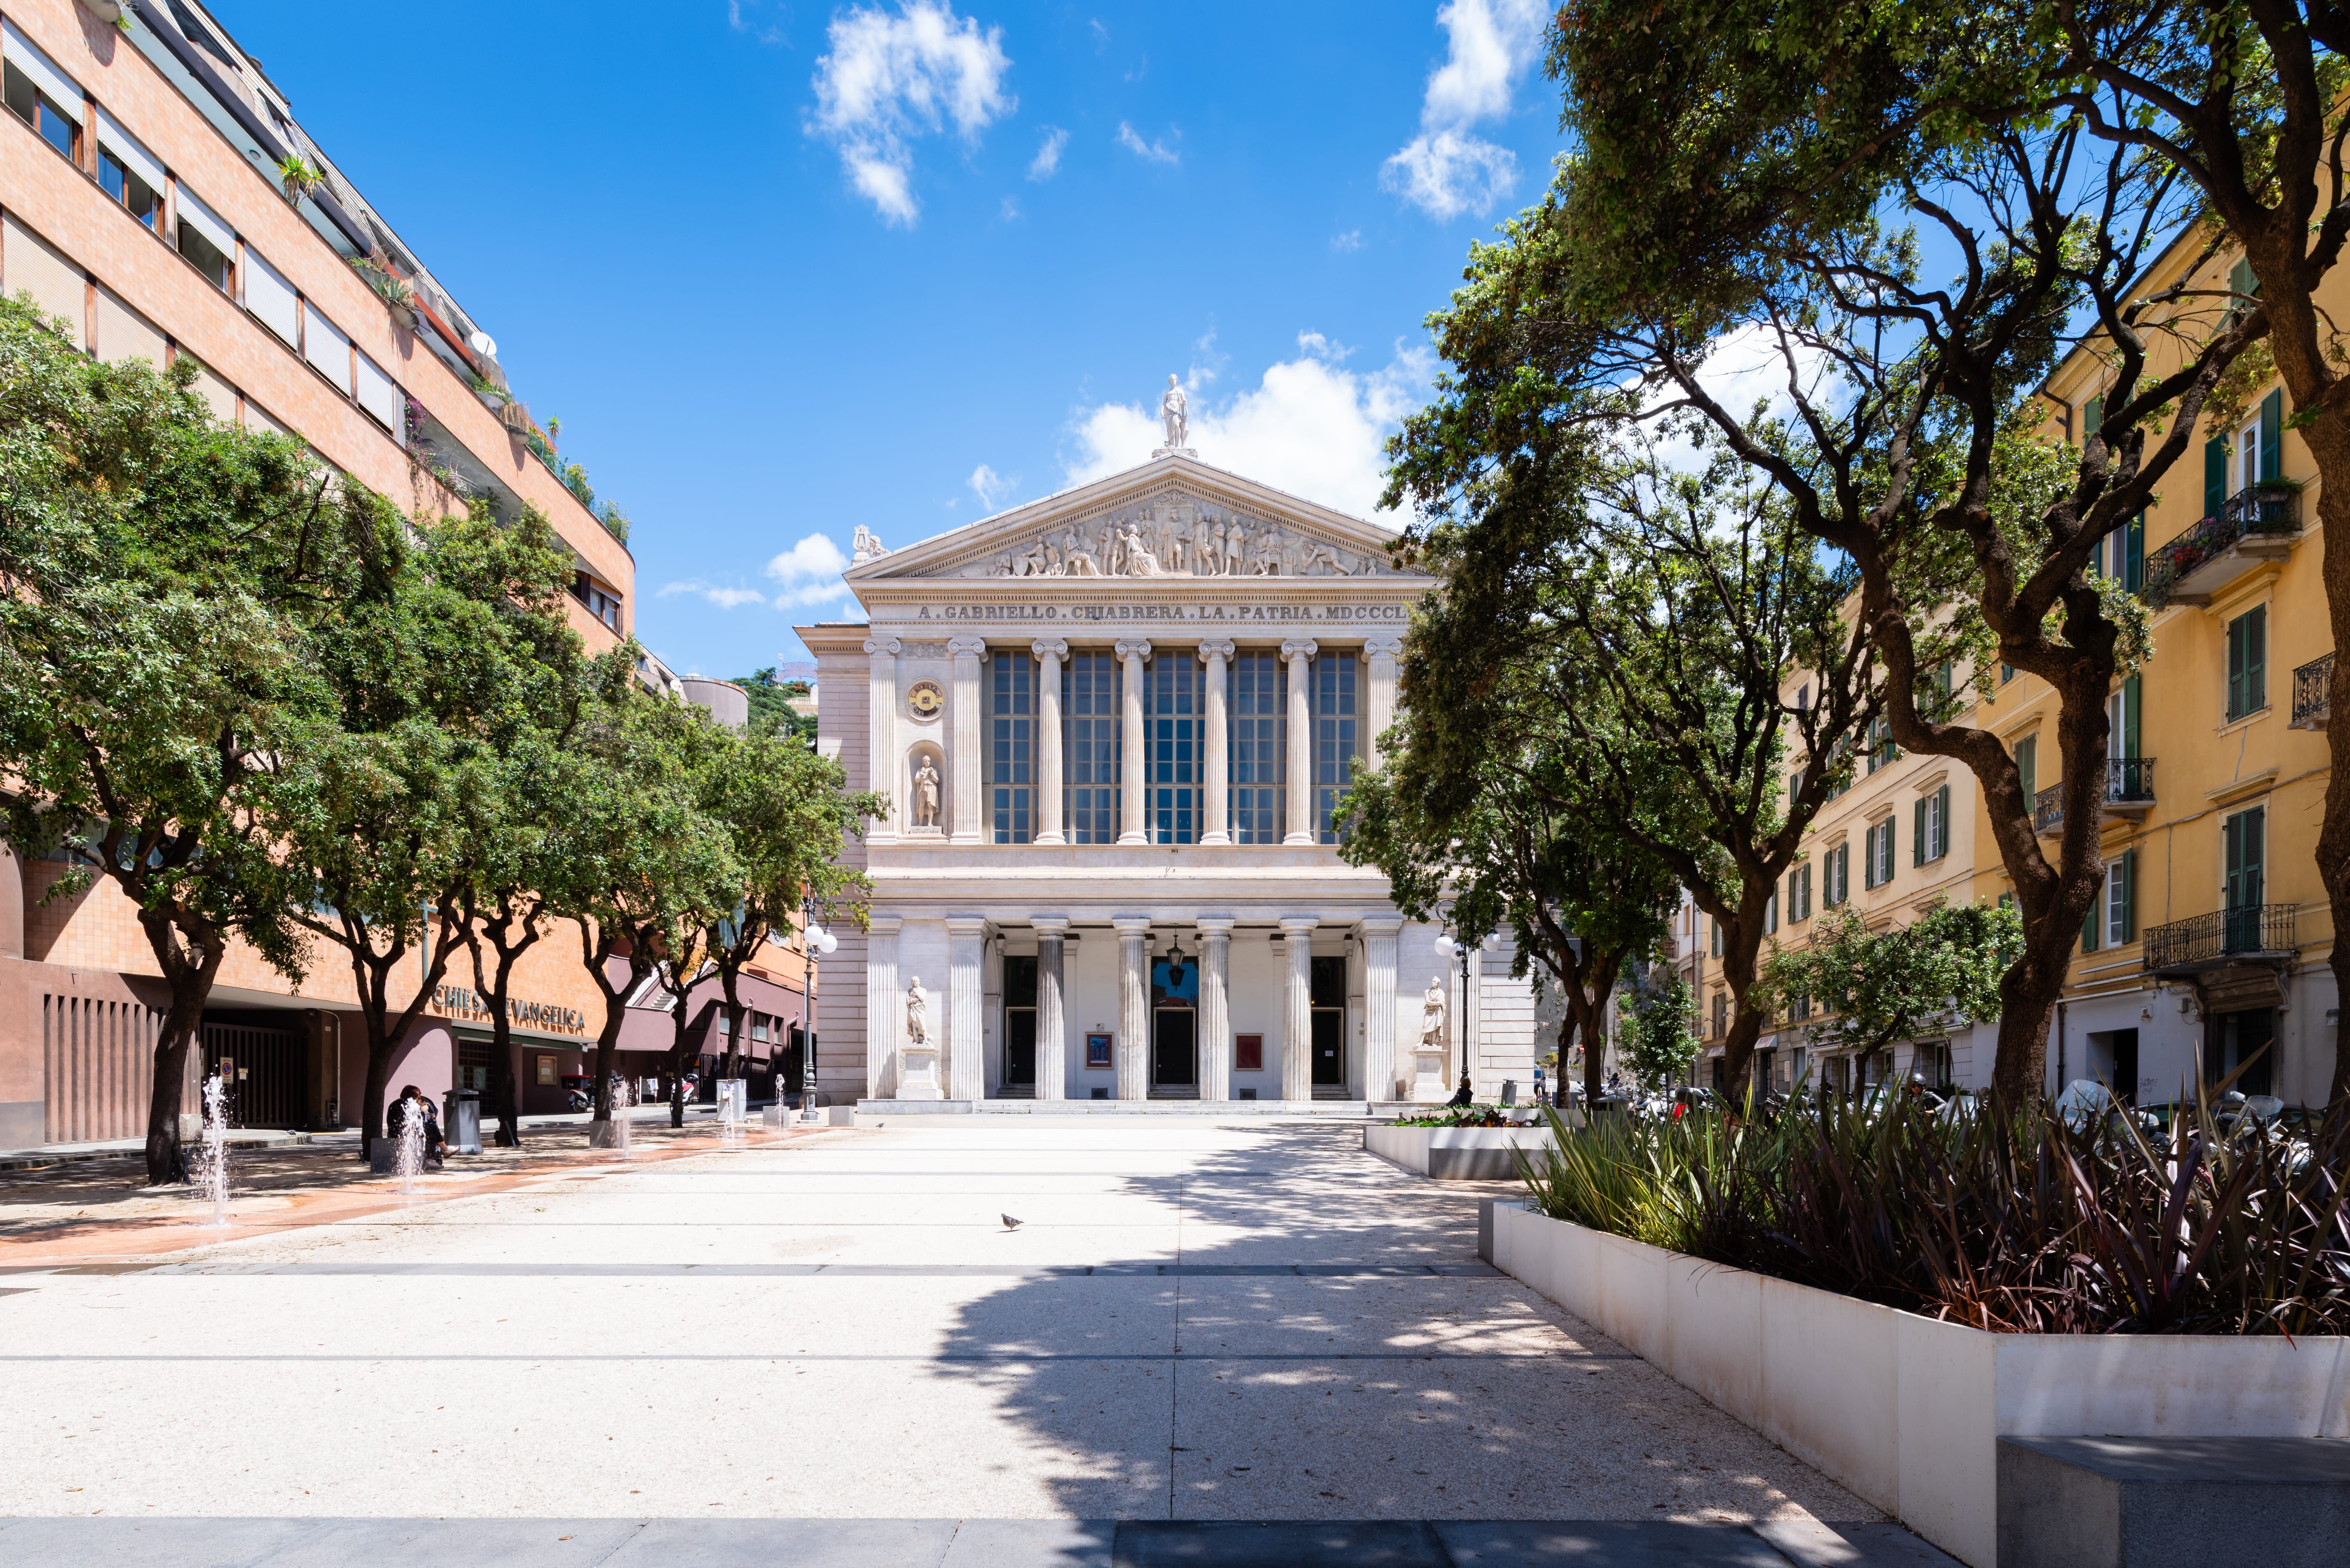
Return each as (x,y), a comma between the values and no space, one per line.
(1175,414)
(1428,1085)
(925,796)
(918,1076)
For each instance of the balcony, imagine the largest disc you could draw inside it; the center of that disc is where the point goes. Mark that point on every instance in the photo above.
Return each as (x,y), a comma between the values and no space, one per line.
(2313,692)
(2253,934)
(2129,795)
(2257,523)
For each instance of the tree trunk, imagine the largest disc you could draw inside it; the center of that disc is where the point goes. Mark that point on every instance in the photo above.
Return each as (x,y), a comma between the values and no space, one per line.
(191,986)
(503,1091)
(2328,438)
(378,1078)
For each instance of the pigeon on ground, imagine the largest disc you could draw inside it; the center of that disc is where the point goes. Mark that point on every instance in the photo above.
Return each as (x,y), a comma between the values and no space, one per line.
(1010,1223)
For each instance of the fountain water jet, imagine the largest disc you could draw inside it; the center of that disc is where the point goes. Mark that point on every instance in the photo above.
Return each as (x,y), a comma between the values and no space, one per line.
(211,1163)
(408,1154)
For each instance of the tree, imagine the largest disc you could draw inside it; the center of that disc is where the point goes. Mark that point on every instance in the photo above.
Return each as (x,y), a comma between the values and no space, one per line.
(1750,181)
(1941,971)
(1513,843)
(771,706)
(1637,619)
(1659,1033)
(156,571)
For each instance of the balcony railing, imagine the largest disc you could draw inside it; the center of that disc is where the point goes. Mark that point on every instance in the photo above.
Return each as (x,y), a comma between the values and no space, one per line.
(2270,510)
(2220,938)
(2129,791)
(2313,694)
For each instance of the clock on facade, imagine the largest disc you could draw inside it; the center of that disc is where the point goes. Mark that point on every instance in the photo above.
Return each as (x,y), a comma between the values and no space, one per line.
(925,698)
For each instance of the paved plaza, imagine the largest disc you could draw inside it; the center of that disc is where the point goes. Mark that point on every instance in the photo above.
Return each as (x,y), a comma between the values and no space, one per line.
(833,1350)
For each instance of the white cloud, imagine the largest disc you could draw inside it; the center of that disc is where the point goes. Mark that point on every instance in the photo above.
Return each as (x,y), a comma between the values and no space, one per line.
(1149,152)
(1047,161)
(992,488)
(1309,426)
(725,598)
(1320,347)
(1352,240)
(809,572)
(1445,171)
(1009,212)
(891,79)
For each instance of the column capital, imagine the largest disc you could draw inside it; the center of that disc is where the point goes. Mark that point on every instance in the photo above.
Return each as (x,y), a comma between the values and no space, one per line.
(883,925)
(966,925)
(1299,647)
(1216,648)
(1215,925)
(1136,647)
(1381,925)
(1054,927)
(966,647)
(1049,648)
(1131,925)
(882,647)
(1383,647)
(1297,923)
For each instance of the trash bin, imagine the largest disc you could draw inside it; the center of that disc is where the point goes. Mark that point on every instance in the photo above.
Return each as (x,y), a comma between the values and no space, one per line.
(461,1121)
(1509,1091)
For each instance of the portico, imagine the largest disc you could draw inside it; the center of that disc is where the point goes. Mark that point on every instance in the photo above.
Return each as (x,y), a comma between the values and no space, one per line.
(1113,725)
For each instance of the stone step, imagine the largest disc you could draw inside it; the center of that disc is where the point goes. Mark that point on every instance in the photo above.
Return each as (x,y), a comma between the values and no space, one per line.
(1225,1109)
(2173,1502)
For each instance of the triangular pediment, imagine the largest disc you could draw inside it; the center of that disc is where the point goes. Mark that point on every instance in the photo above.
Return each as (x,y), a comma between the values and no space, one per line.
(1174,516)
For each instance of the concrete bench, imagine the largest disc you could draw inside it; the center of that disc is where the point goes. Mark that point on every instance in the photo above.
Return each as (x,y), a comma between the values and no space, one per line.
(2173,1502)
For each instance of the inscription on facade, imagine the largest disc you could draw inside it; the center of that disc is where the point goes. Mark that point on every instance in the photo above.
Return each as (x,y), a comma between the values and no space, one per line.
(459,999)
(1115,612)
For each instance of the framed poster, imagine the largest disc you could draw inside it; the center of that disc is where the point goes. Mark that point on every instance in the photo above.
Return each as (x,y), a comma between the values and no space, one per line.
(546,1070)
(1248,1052)
(1098,1050)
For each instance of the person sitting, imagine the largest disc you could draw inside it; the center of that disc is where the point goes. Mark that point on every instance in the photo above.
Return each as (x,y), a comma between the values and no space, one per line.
(413,1103)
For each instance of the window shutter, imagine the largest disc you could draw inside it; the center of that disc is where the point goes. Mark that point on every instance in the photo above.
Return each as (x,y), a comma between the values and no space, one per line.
(1917,836)
(1942,821)
(2236,668)
(2134,553)
(207,223)
(2256,654)
(2093,417)
(42,71)
(2027,768)
(2093,918)
(2215,475)
(2240,280)
(272,299)
(2130,716)
(2272,433)
(2129,896)
(1794,784)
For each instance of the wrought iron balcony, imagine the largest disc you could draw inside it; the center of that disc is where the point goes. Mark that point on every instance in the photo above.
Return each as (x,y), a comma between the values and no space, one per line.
(2129,793)
(2256,524)
(2313,692)
(2251,933)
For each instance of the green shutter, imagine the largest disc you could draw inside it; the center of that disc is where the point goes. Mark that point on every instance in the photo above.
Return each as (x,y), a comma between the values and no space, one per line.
(2242,281)
(2215,475)
(2091,922)
(2130,716)
(2093,417)
(2272,433)
(2256,659)
(2237,627)
(1917,836)
(2027,768)
(2134,553)
(2129,896)
(1892,842)
(1942,814)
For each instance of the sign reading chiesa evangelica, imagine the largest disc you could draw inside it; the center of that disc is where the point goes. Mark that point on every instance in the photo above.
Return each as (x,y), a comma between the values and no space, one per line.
(1112,725)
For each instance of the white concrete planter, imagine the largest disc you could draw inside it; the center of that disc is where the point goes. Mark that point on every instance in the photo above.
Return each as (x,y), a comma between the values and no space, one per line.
(1455,1154)
(1905,1411)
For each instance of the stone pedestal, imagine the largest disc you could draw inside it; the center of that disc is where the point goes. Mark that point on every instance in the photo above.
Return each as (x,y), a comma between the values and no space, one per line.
(1428,1084)
(918,1072)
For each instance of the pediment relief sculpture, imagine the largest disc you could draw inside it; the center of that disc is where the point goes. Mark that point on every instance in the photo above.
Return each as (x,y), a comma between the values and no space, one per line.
(1177,536)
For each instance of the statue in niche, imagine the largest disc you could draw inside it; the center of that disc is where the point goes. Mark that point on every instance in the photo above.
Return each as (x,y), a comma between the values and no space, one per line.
(925,796)
(1174,413)
(1431,1017)
(918,1014)
(1079,561)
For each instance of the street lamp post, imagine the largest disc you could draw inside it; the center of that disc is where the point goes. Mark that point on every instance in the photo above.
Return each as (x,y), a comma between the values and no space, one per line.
(815,941)
(1448,943)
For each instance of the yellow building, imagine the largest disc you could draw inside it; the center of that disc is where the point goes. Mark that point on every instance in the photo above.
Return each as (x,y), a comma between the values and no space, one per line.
(2212,935)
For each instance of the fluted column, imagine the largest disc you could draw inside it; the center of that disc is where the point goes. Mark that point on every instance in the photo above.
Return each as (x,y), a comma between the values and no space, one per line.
(1218,780)
(881,1006)
(1298,788)
(881,736)
(1379,653)
(1298,1032)
(1216,1007)
(1134,769)
(966,744)
(1049,653)
(1133,1006)
(1052,1022)
(966,1026)
(1380,1005)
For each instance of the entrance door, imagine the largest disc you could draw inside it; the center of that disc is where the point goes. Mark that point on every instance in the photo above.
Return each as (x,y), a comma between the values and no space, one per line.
(1019,1025)
(263,1070)
(2246,1039)
(1329,999)
(1174,1049)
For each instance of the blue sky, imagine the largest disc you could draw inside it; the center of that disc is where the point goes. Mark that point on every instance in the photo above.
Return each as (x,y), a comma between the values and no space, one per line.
(782,269)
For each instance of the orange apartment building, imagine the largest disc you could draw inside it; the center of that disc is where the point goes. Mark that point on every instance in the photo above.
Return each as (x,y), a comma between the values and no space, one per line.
(141,204)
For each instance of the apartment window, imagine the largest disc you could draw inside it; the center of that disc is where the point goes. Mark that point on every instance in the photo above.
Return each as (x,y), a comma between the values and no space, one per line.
(1930,835)
(2244,845)
(40,95)
(1259,738)
(125,185)
(1012,746)
(1835,876)
(1170,720)
(209,245)
(1770,914)
(1799,893)
(2027,768)
(1334,737)
(1721,1012)
(2093,417)
(2121,889)
(603,606)
(1091,748)
(1714,947)
(1794,785)
(1877,869)
(1882,751)
(2248,651)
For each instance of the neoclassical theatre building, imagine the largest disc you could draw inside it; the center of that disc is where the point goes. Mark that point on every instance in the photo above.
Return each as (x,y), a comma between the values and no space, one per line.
(1112,725)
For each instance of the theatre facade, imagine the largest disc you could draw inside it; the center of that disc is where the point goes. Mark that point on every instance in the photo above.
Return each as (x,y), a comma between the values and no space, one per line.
(1112,725)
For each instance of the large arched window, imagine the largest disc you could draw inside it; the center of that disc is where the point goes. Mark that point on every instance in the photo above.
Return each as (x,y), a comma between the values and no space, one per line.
(1090,746)
(1334,737)
(1258,740)
(1011,747)
(1171,701)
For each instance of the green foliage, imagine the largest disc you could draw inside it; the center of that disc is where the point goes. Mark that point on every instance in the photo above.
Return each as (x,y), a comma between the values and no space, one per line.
(2011,1224)
(771,705)
(1657,1035)
(1941,971)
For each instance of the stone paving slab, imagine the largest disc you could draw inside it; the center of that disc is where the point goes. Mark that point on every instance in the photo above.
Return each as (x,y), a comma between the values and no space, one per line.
(929,1543)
